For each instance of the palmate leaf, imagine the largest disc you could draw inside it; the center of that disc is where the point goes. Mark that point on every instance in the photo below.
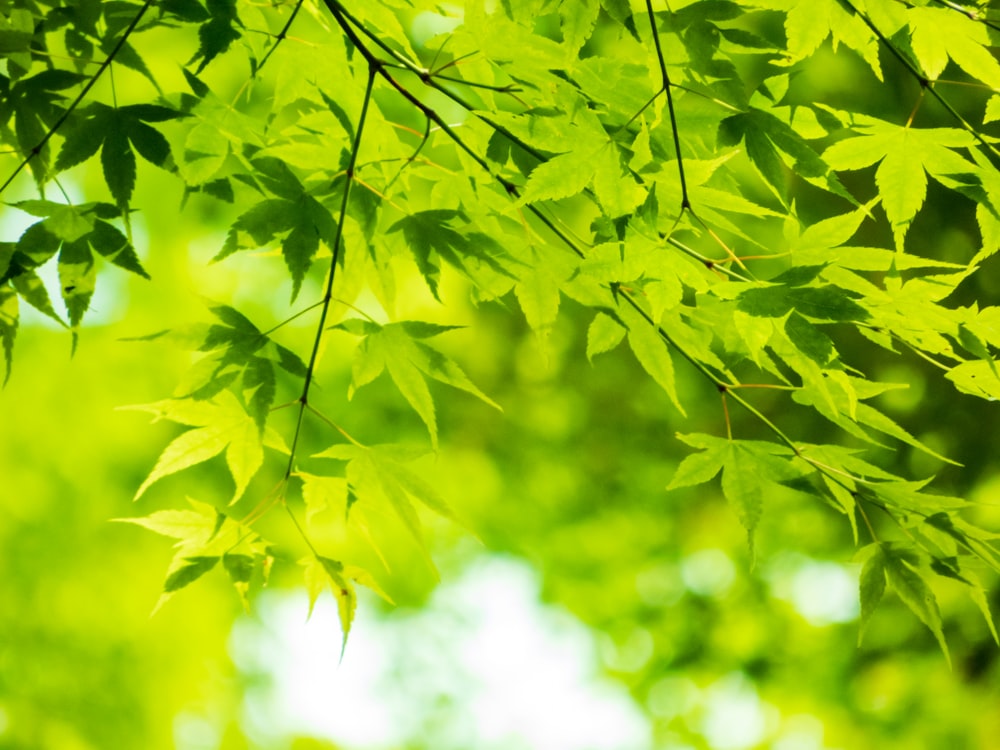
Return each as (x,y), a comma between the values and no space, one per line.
(204,537)
(907,156)
(378,474)
(220,424)
(398,348)
(295,218)
(217,34)
(751,469)
(74,233)
(766,138)
(119,133)
(432,237)
(240,357)
(240,350)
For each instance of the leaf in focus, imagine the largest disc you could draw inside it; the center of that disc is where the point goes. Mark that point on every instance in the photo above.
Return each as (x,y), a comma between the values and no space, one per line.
(397,347)
(222,425)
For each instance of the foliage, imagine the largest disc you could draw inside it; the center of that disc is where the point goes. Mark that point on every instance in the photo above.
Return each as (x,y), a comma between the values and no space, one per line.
(669,168)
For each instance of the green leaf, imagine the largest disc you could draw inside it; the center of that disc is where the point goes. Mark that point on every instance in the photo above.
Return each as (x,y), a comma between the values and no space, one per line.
(979,596)
(223,425)
(77,279)
(396,347)
(809,339)
(903,184)
(322,494)
(218,33)
(9,317)
(992,109)
(699,468)
(767,139)
(561,176)
(742,486)
(872,587)
(825,302)
(604,334)
(908,155)
(938,34)
(240,570)
(432,237)
(190,571)
(192,527)
(300,222)
(652,353)
(111,243)
(377,474)
(31,288)
(538,295)
(321,573)
(116,131)
(976,378)
(914,592)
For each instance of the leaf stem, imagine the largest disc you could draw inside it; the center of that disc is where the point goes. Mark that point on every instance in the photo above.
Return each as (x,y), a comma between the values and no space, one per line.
(289,319)
(316,412)
(864,516)
(301,530)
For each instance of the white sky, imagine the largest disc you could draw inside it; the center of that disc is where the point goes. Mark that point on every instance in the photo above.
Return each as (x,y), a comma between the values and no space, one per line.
(517,673)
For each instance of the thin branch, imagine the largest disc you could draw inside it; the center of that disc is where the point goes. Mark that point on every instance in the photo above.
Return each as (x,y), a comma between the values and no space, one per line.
(921,79)
(335,250)
(79,97)
(685,202)
(971,13)
(279,37)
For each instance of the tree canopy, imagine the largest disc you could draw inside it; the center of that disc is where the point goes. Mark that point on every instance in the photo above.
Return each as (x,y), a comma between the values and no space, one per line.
(631,289)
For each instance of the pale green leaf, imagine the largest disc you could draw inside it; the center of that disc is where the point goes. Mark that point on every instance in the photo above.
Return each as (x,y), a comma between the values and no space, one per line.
(977,378)
(992,109)
(654,356)
(561,176)
(538,295)
(699,468)
(226,426)
(321,573)
(902,183)
(604,334)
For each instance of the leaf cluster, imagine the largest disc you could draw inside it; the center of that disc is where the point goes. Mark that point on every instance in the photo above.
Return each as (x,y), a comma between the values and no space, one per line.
(666,174)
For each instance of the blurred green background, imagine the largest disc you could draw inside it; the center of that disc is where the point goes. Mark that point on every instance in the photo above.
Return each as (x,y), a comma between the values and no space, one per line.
(583,608)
